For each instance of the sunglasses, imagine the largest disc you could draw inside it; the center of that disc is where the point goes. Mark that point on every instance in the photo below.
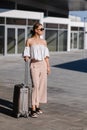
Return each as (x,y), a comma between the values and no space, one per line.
(41,29)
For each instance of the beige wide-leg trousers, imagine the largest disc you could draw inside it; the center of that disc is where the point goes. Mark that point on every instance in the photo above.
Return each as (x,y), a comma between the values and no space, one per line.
(38,72)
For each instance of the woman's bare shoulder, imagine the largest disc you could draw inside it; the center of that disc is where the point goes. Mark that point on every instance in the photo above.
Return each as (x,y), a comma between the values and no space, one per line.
(28,41)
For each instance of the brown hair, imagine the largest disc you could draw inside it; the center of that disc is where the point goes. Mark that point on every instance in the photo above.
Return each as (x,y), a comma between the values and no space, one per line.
(35,26)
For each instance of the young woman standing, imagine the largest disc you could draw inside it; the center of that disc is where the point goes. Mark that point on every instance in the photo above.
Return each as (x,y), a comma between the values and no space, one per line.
(36,50)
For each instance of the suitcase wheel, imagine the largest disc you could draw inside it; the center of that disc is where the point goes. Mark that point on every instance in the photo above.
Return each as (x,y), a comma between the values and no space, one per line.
(26,115)
(18,115)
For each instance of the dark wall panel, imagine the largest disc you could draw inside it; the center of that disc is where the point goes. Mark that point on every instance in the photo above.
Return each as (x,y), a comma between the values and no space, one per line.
(56,8)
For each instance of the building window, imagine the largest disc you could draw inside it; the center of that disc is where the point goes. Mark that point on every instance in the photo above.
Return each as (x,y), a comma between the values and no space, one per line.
(11,42)
(56,38)
(21,40)
(52,39)
(77,38)
(15,21)
(81,40)
(2,31)
(62,40)
(63,26)
(81,29)
(2,20)
(49,25)
(29,32)
(32,22)
(74,28)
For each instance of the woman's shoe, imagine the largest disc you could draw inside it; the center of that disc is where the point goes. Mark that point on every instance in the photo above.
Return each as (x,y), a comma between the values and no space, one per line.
(39,111)
(33,114)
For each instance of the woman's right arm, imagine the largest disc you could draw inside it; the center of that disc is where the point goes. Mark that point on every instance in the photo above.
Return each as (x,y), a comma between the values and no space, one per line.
(27,51)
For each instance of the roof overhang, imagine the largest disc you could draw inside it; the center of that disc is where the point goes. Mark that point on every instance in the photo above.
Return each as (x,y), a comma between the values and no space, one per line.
(59,8)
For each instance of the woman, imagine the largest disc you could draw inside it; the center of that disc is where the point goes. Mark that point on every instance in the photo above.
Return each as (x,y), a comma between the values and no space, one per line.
(36,50)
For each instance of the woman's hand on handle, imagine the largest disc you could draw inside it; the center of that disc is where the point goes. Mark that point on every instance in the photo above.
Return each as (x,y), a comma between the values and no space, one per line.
(26,58)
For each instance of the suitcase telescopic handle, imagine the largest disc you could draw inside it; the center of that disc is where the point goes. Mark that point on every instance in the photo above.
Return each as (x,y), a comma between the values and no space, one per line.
(26,79)
(26,82)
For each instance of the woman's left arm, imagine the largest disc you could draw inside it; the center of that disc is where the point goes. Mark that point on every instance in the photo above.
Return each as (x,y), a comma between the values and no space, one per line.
(47,58)
(48,65)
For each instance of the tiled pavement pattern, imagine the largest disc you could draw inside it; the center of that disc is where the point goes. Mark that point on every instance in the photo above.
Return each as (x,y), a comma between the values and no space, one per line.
(67,93)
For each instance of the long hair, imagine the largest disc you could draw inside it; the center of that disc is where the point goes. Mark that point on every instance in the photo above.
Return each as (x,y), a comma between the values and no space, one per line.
(35,26)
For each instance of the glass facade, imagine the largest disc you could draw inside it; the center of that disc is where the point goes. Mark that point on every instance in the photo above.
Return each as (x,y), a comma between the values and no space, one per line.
(14,30)
(77,38)
(17,30)
(62,26)
(62,40)
(21,40)
(2,39)
(50,25)
(29,31)
(56,36)
(81,40)
(32,21)
(15,21)
(11,41)
(52,39)
(2,20)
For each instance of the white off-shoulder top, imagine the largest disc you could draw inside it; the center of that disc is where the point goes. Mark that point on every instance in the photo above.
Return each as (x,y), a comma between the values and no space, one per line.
(36,51)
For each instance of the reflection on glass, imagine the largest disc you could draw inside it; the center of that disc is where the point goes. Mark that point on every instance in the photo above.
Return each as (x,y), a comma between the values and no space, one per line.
(21,40)
(71,43)
(75,40)
(2,39)
(74,28)
(63,26)
(51,37)
(16,21)
(11,40)
(29,32)
(81,40)
(50,25)
(31,21)
(2,20)
(62,40)
(81,29)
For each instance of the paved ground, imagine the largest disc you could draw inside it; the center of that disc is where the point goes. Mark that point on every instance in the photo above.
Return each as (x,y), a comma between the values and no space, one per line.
(67,94)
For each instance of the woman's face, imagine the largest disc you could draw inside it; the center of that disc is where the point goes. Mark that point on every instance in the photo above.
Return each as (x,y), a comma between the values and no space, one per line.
(40,30)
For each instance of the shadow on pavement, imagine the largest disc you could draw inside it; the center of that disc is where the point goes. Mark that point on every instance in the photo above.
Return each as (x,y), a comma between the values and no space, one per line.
(6,107)
(78,65)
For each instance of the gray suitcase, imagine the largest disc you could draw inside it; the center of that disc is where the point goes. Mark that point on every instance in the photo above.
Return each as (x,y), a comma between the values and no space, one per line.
(21,97)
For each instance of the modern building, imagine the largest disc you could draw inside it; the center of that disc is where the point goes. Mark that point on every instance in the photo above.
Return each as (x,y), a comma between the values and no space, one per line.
(55,8)
(62,33)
